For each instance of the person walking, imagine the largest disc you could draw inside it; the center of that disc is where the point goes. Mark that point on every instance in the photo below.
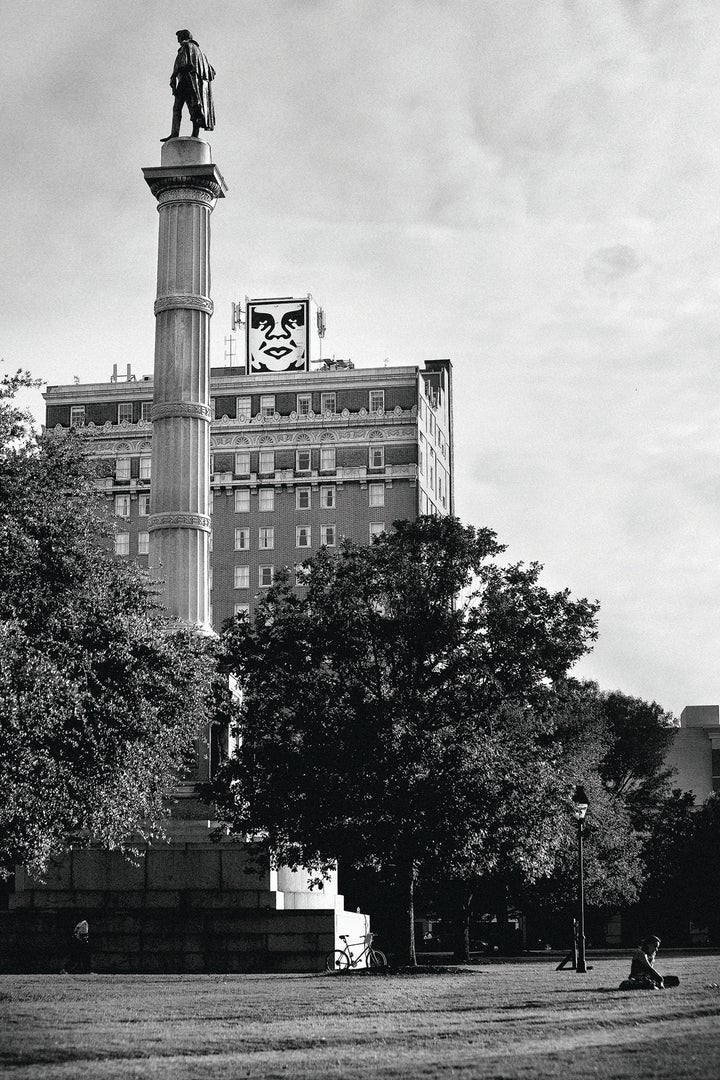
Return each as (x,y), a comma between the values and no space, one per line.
(78,958)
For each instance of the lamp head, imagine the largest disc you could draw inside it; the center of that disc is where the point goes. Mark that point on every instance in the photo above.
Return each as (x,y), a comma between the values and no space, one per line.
(580,803)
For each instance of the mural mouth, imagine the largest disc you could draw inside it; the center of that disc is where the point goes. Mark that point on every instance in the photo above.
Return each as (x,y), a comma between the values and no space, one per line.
(278,351)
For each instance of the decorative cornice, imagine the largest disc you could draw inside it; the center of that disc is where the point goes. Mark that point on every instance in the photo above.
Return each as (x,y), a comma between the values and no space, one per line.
(179,521)
(183,300)
(192,409)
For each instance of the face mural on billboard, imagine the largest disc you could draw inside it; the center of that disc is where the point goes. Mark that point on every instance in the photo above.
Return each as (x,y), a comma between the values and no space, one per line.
(277,337)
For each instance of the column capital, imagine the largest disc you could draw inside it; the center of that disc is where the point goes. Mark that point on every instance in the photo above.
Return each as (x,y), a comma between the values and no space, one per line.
(205,178)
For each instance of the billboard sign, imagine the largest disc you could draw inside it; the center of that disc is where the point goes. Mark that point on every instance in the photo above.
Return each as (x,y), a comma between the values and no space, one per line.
(278,335)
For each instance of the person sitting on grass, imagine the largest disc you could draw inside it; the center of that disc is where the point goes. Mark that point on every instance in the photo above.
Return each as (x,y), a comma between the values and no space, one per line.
(643,975)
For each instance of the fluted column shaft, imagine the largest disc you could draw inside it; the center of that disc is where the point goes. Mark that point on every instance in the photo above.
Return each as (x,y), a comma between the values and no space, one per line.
(186,187)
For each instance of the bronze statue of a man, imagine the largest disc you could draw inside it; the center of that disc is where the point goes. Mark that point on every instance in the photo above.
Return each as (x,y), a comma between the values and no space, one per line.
(190,83)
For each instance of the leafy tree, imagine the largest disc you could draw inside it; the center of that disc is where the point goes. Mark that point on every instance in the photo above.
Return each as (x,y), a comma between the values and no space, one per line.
(639,734)
(616,743)
(701,870)
(101,695)
(385,723)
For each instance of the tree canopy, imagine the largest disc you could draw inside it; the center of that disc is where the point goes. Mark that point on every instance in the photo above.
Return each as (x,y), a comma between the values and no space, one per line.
(101,695)
(390,712)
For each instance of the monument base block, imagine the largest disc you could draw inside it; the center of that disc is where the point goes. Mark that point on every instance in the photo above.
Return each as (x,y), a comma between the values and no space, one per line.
(181,908)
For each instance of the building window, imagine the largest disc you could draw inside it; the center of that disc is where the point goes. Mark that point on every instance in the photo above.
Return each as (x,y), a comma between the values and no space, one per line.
(77,415)
(243,408)
(242,463)
(302,536)
(377,457)
(376,494)
(377,528)
(266,537)
(242,539)
(143,505)
(125,413)
(327,535)
(266,498)
(302,498)
(241,577)
(242,501)
(122,506)
(302,461)
(265,576)
(327,497)
(377,401)
(145,409)
(145,467)
(122,543)
(143,543)
(267,406)
(327,458)
(304,404)
(715,767)
(122,468)
(211,406)
(267,461)
(328,403)
(242,611)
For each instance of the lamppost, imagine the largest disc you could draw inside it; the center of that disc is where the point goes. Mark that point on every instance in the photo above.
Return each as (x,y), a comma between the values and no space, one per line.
(580,809)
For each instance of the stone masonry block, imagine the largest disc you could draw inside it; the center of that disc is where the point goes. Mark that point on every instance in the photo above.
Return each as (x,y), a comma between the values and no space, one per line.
(241,872)
(183,869)
(292,943)
(58,875)
(81,901)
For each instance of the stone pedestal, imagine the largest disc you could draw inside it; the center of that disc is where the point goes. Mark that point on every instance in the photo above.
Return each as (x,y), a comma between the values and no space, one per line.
(180,907)
(186,186)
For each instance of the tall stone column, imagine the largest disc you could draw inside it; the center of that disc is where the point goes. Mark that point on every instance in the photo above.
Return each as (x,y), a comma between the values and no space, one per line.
(186,187)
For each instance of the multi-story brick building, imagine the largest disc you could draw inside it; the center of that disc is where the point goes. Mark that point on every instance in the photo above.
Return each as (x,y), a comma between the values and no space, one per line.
(298,459)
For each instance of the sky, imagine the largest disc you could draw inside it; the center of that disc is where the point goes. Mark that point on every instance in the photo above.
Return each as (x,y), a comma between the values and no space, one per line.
(528,187)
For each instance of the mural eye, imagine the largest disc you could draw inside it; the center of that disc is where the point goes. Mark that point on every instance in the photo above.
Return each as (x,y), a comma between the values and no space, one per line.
(262,322)
(293,320)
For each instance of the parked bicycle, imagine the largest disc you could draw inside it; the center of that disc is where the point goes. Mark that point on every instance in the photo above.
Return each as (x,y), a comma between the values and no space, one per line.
(342,959)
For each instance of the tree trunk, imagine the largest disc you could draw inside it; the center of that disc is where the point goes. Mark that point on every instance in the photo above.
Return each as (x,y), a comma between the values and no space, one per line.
(505,940)
(410,885)
(462,929)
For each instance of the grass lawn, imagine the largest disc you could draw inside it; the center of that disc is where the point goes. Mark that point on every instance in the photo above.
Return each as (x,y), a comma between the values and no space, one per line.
(500,1020)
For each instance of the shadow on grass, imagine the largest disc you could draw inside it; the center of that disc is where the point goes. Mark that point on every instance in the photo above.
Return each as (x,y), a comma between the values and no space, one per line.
(595,990)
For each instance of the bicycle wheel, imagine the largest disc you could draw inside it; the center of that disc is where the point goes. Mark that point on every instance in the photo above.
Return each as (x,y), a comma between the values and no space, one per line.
(337,961)
(376,959)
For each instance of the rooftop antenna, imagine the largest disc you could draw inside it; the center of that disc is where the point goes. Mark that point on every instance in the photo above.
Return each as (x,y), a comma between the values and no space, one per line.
(321,327)
(238,315)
